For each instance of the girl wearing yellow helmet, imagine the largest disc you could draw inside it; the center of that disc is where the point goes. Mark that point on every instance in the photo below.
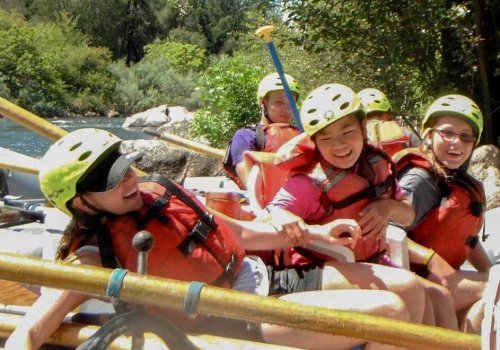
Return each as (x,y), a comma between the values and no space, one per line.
(449,203)
(273,130)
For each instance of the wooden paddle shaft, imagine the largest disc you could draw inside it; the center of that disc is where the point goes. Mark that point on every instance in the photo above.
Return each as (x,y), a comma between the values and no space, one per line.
(233,304)
(19,168)
(30,120)
(36,124)
(186,143)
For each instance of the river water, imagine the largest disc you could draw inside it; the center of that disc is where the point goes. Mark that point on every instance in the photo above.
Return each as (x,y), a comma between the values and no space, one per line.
(20,139)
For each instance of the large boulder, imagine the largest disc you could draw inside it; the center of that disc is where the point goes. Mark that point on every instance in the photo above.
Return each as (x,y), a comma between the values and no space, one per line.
(158,116)
(174,162)
(153,117)
(485,166)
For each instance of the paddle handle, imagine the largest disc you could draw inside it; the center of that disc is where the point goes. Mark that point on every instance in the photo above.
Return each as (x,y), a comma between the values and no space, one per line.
(265,33)
(186,143)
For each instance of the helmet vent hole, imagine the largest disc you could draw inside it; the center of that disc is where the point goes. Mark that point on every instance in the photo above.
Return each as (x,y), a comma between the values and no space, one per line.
(475,115)
(312,110)
(313,122)
(84,155)
(336,97)
(75,146)
(344,105)
(446,104)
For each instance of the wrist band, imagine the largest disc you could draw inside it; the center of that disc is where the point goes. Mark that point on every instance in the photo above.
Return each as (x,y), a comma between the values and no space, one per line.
(428,256)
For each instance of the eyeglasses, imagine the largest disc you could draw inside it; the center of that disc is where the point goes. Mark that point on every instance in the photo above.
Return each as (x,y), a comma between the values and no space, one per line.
(450,136)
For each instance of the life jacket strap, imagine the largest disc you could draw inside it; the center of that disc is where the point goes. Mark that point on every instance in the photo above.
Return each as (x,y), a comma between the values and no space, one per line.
(198,235)
(372,192)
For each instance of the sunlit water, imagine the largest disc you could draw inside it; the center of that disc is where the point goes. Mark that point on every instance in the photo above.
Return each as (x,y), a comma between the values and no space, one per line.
(20,139)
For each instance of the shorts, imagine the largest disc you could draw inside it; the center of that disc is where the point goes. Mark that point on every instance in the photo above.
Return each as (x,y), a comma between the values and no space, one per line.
(294,279)
(252,277)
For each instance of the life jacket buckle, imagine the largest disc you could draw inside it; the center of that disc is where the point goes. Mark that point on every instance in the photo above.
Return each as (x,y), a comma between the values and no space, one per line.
(200,231)
(198,235)
(231,266)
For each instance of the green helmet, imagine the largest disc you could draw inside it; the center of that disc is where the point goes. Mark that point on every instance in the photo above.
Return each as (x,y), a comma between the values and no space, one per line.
(457,106)
(272,82)
(327,104)
(374,100)
(69,159)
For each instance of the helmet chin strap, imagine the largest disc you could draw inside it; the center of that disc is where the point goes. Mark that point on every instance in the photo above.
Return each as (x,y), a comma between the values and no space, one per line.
(100,212)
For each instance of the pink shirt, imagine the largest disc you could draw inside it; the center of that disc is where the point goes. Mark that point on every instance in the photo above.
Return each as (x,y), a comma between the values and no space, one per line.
(300,196)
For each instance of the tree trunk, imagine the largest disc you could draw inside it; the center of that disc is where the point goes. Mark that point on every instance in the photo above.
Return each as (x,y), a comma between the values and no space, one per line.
(477,8)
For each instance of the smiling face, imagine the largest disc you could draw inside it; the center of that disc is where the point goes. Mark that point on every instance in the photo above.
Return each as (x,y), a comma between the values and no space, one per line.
(277,106)
(122,199)
(341,142)
(451,151)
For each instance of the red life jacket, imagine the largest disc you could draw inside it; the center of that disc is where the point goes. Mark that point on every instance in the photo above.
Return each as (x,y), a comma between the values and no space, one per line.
(451,227)
(387,135)
(189,244)
(345,194)
(268,139)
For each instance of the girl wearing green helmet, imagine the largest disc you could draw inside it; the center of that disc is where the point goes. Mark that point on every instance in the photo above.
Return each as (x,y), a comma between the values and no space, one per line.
(449,203)
(85,175)
(346,178)
(382,130)
(273,130)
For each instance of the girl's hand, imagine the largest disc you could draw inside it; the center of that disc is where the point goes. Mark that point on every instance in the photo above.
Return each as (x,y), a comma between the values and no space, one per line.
(341,231)
(295,231)
(442,273)
(375,219)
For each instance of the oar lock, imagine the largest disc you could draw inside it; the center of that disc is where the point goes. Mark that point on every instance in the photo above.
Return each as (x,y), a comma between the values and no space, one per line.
(143,242)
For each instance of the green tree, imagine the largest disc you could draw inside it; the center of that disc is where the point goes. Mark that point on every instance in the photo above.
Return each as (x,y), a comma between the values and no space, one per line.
(414,50)
(229,90)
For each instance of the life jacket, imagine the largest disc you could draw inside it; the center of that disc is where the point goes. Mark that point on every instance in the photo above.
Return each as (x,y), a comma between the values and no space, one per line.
(189,244)
(344,193)
(451,227)
(268,138)
(387,135)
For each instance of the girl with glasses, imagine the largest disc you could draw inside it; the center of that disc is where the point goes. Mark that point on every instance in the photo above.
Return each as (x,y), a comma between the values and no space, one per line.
(449,204)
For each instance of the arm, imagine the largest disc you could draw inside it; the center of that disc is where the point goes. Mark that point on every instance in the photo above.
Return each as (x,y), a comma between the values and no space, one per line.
(242,141)
(440,271)
(285,229)
(479,259)
(376,216)
(241,170)
(48,312)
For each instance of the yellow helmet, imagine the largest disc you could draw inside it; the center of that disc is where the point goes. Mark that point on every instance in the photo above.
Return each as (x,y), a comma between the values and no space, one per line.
(272,82)
(458,106)
(69,159)
(327,104)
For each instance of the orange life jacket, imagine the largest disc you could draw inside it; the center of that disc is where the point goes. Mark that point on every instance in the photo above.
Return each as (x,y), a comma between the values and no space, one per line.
(189,244)
(387,135)
(345,193)
(450,228)
(268,139)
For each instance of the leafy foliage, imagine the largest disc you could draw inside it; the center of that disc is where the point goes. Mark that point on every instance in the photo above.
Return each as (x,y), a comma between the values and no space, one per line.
(153,82)
(184,58)
(229,89)
(50,67)
(394,46)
